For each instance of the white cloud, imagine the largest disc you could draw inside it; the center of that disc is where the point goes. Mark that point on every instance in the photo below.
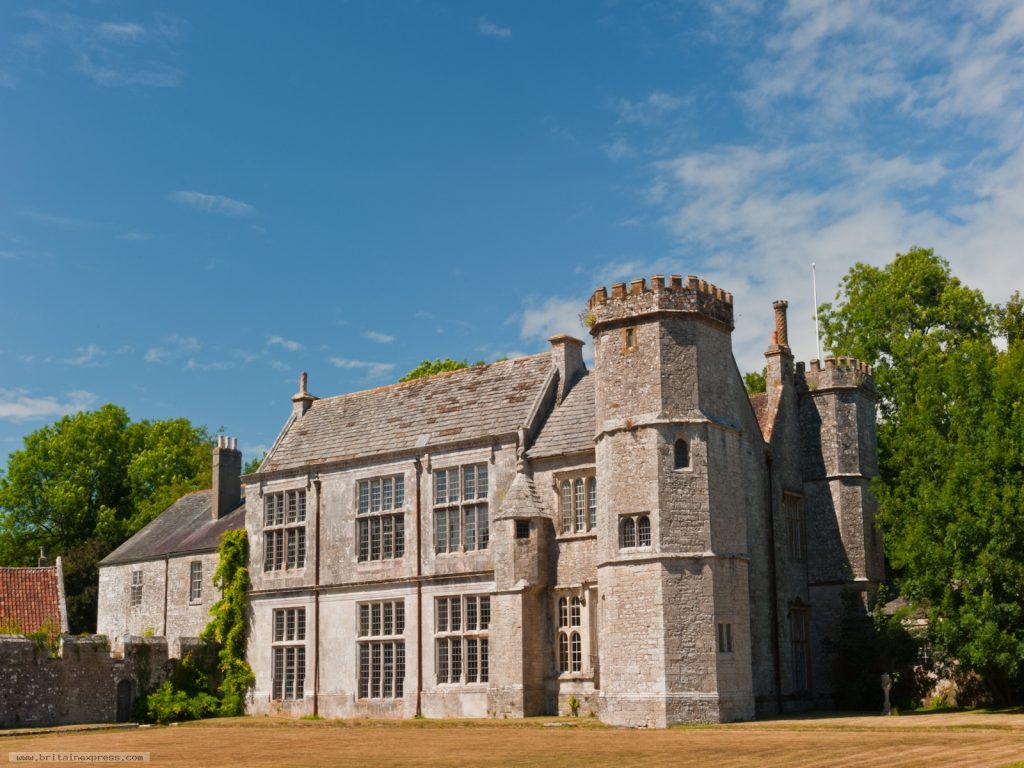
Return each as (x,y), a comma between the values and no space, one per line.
(225,206)
(6,79)
(173,348)
(88,355)
(122,30)
(380,338)
(280,341)
(216,365)
(374,370)
(8,255)
(489,29)
(112,76)
(19,405)
(555,315)
(619,148)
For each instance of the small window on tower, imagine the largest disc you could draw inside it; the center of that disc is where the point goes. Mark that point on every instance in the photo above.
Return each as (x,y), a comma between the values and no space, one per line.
(629,338)
(681,454)
(522,529)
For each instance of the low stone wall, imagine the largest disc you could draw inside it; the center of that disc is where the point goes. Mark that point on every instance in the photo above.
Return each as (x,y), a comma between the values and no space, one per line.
(86,683)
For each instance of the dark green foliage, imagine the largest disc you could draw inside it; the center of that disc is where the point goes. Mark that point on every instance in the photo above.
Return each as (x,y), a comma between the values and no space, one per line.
(754,382)
(440,365)
(951,453)
(228,624)
(867,646)
(84,484)
(253,464)
(185,695)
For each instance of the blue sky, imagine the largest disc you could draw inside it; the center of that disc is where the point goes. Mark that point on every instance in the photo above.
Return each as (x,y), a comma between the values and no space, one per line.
(200,200)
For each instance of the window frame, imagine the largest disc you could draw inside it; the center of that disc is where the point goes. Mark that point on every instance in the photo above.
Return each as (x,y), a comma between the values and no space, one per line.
(796,526)
(380,650)
(135,594)
(462,640)
(284,531)
(380,504)
(288,654)
(461,517)
(576,494)
(636,531)
(195,580)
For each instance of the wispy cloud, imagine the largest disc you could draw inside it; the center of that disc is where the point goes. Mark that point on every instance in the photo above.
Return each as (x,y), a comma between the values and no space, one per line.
(89,355)
(6,79)
(215,365)
(650,109)
(135,236)
(174,347)
(8,255)
(219,204)
(490,29)
(377,336)
(280,341)
(557,314)
(110,53)
(61,222)
(373,370)
(19,405)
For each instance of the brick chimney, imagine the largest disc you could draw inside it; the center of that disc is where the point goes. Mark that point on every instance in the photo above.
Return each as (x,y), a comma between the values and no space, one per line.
(227,470)
(302,400)
(567,356)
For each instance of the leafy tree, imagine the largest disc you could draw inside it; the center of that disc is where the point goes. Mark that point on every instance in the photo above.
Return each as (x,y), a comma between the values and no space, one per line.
(253,464)
(439,365)
(84,484)
(754,382)
(951,452)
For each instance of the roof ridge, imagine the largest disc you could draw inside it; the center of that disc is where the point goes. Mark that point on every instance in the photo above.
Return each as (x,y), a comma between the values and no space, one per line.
(431,377)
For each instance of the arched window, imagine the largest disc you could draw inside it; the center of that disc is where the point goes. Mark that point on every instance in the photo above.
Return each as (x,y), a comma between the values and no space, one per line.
(682,454)
(577,652)
(592,503)
(643,531)
(628,532)
(563,612)
(563,652)
(566,507)
(574,615)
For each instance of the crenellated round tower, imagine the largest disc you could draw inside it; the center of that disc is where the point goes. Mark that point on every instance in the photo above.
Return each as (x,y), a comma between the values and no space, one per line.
(678,465)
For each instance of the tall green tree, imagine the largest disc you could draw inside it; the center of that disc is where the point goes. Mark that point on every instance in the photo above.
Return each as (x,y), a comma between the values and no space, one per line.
(84,484)
(950,455)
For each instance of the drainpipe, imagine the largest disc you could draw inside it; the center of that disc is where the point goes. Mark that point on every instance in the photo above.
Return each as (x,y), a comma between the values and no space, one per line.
(316,605)
(166,573)
(419,595)
(773,578)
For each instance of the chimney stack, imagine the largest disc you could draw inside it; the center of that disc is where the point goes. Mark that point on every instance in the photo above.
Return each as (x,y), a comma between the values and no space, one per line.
(227,471)
(42,558)
(302,400)
(567,355)
(781,337)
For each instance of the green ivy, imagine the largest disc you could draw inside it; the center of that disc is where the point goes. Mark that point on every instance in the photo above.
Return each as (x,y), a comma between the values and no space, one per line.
(228,624)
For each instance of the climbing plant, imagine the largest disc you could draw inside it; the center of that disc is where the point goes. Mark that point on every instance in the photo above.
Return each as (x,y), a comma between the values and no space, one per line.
(227,626)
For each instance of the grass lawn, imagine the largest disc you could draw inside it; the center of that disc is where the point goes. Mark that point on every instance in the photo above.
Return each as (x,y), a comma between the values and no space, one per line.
(932,739)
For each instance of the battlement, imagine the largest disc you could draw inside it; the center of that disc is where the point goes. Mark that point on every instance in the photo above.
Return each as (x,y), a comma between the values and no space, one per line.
(674,295)
(837,372)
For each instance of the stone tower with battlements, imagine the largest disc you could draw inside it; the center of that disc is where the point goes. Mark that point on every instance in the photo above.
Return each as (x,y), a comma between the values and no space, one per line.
(676,445)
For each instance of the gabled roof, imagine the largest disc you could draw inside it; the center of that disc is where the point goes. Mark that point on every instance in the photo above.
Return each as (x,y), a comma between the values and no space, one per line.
(521,500)
(461,406)
(762,410)
(185,526)
(33,598)
(570,426)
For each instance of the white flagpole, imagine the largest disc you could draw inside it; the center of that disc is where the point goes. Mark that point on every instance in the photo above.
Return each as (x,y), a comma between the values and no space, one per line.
(817,333)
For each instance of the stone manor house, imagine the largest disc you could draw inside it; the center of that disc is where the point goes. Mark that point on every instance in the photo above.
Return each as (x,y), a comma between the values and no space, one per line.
(643,536)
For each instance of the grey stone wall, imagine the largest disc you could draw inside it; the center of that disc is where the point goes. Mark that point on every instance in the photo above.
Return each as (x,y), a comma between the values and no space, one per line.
(83,685)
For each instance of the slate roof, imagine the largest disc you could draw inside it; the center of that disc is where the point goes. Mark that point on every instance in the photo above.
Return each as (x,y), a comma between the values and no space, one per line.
(185,526)
(469,404)
(570,426)
(30,598)
(522,500)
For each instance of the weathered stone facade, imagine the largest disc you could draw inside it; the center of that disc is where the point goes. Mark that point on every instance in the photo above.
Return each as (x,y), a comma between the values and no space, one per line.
(86,683)
(643,541)
(649,587)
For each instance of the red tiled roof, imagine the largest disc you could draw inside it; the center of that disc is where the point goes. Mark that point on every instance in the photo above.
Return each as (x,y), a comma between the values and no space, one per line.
(30,598)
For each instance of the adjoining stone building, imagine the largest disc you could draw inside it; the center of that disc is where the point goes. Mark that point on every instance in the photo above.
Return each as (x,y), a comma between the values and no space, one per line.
(160,581)
(642,536)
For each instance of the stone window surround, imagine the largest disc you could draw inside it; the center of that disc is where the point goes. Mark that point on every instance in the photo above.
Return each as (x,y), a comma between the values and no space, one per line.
(458,508)
(634,528)
(572,621)
(284,534)
(195,579)
(687,441)
(588,476)
(135,596)
(288,654)
(725,637)
(796,525)
(381,649)
(470,665)
(800,644)
(376,512)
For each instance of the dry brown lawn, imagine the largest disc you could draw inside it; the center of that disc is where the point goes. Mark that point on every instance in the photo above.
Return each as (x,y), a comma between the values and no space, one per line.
(938,739)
